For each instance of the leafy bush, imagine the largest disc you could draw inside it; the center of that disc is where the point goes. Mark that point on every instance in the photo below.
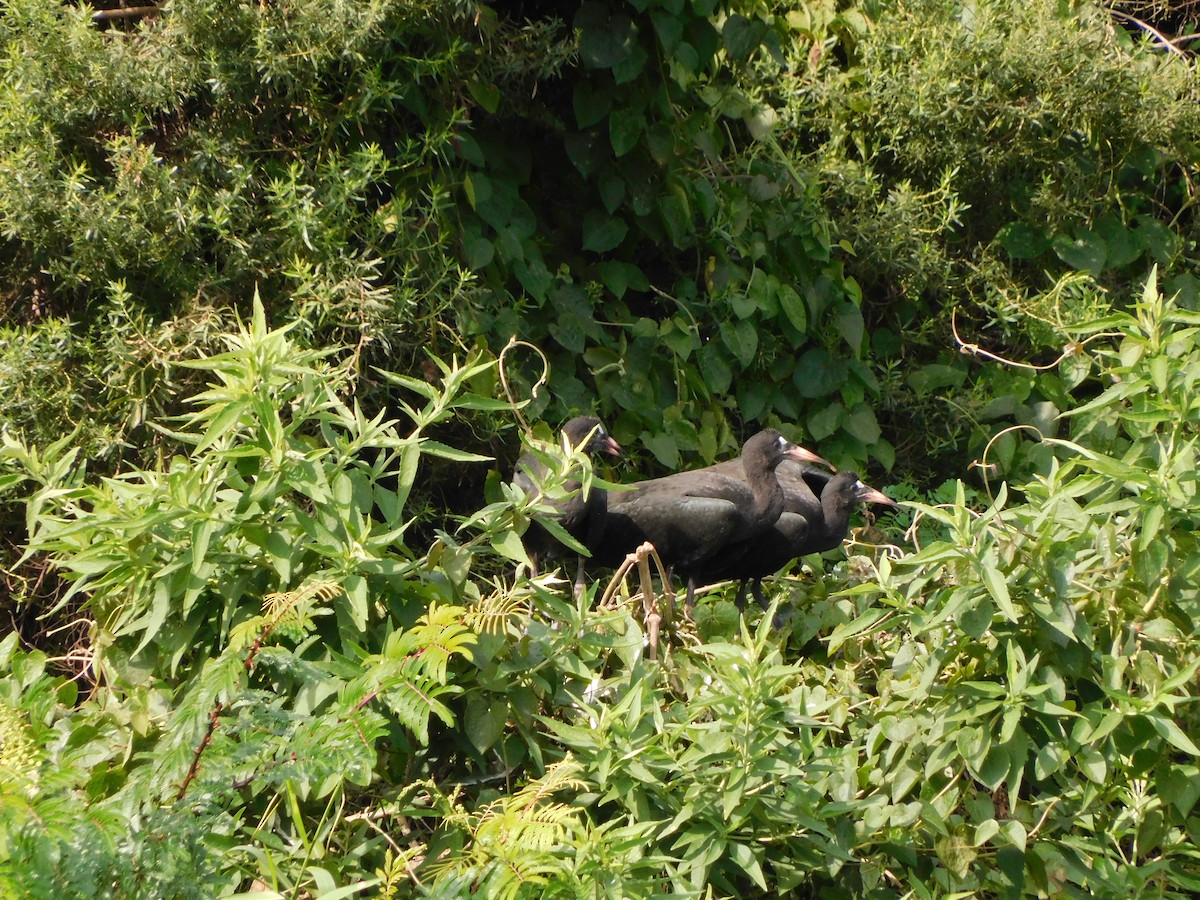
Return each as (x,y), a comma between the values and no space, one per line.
(306,667)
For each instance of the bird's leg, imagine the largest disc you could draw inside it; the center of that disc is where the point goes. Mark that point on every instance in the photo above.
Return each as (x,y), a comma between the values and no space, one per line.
(579,579)
(756,588)
(740,600)
(691,596)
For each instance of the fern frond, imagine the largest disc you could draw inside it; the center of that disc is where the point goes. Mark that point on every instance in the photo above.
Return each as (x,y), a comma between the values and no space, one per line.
(290,613)
(279,604)
(493,612)
(243,634)
(20,758)
(559,775)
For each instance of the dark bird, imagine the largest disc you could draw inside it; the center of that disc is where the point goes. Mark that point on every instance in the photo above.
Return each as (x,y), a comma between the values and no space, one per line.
(582,518)
(690,516)
(816,518)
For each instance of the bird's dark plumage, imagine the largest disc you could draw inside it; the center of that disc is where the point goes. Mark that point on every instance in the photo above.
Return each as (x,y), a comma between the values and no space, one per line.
(583,518)
(816,518)
(689,516)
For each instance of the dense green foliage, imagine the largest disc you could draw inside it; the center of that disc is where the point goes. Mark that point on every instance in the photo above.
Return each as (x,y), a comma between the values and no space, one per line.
(276,276)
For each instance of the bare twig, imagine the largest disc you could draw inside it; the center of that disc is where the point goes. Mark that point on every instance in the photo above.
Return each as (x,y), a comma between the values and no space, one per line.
(652,614)
(1042,820)
(1071,349)
(502,367)
(204,742)
(649,604)
(1158,36)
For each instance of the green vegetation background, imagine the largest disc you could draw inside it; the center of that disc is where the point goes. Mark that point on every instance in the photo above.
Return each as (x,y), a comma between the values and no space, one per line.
(280,285)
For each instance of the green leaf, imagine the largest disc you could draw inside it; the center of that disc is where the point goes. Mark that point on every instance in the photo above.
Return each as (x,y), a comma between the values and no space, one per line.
(956,854)
(591,102)
(7,646)
(485,719)
(478,251)
(850,326)
(742,340)
(825,421)
(619,276)
(678,337)
(715,369)
(1092,763)
(676,216)
(935,378)
(508,543)
(1022,242)
(1158,238)
(861,424)
(605,39)
(865,623)
(485,93)
(1167,728)
(624,131)
(985,831)
(631,66)
(1181,784)
(744,857)
(437,448)
(818,374)
(1083,250)
(793,307)
(612,191)
(602,233)
(994,581)
(1124,245)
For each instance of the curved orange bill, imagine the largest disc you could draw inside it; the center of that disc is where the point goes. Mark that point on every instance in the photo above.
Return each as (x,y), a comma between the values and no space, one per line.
(802,454)
(609,446)
(866,494)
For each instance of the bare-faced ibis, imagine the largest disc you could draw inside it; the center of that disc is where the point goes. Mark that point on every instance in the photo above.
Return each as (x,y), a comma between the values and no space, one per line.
(582,518)
(816,518)
(689,516)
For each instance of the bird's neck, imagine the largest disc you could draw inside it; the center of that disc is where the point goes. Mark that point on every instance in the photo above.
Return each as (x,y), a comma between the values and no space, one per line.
(768,495)
(836,515)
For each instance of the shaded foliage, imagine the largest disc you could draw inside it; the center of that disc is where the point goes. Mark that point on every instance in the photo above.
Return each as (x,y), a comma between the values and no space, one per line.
(265,266)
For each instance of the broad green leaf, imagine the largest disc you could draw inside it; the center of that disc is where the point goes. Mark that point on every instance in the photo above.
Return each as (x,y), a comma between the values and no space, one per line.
(508,543)
(591,103)
(1022,242)
(793,307)
(1083,250)
(605,38)
(1123,244)
(956,854)
(602,233)
(1093,764)
(742,340)
(485,719)
(624,131)
(478,251)
(715,368)
(861,424)
(985,831)
(485,93)
(850,326)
